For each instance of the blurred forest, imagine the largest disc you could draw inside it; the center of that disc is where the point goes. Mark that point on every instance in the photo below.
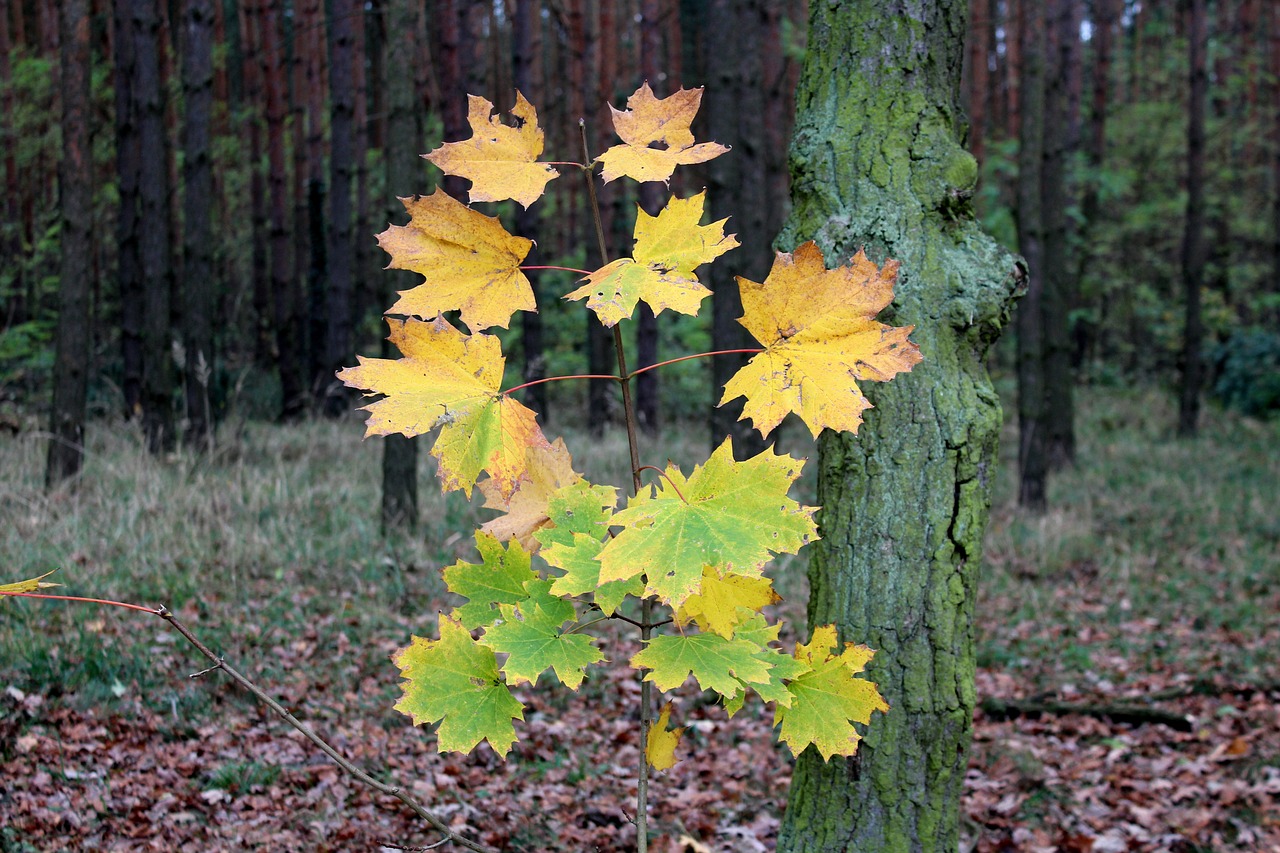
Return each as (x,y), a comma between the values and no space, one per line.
(193,186)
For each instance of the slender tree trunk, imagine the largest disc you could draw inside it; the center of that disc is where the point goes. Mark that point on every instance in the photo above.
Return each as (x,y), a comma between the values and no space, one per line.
(739,187)
(311,19)
(979,90)
(1274,52)
(198,199)
(75,181)
(1033,462)
(251,30)
(405,175)
(155,242)
(1061,134)
(1194,249)
(878,163)
(524,43)
(342,166)
(653,196)
(128,166)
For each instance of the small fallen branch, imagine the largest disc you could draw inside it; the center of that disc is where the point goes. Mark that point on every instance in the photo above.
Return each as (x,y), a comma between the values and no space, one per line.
(351,770)
(1007,709)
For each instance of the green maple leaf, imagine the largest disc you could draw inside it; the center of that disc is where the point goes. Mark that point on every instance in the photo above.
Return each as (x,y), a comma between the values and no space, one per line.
(728,515)
(531,637)
(719,664)
(498,579)
(828,699)
(668,248)
(782,666)
(580,515)
(454,681)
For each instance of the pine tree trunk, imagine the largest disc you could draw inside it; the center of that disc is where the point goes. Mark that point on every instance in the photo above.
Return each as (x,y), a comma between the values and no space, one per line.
(405,177)
(1033,459)
(75,179)
(877,162)
(128,164)
(528,19)
(155,242)
(342,167)
(198,199)
(1194,249)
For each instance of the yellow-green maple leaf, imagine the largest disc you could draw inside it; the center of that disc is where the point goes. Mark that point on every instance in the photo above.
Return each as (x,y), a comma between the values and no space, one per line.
(30,585)
(718,663)
(530,635)
(821,336)
(454,681)
(470,263)
(728,515)
(828,699)
(580,515)
(656,136)
(724,600)
(660,746)
(526,511)
(668,248)
(449,380)
(498,160)
(498,578)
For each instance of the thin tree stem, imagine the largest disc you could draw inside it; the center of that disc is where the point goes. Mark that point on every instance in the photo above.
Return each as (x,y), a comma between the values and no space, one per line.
(663,475)
(646,604)
(218,663)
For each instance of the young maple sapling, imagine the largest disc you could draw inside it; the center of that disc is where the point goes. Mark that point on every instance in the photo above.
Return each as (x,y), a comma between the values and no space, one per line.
(562,555)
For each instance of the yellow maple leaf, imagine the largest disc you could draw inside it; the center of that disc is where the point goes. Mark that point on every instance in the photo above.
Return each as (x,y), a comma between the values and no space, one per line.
(723,600)
(649,121)
(449,380)
(662,742)
(498,160)
(470,263)
(526,511)
(820,335)
(668,248)
(30,585)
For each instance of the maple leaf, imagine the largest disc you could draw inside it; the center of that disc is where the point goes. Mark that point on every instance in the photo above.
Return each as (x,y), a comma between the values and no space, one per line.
(526,512)
(727,515)
(668,248)
(450,380)
(828,699)
(580,515)
(723,599)
(661,744)
(454,681)
(783,667)
(820,335)
(470,263)
(718,663)
(498,159)
(649,121)
(499,578)
(529,634)
(30,585)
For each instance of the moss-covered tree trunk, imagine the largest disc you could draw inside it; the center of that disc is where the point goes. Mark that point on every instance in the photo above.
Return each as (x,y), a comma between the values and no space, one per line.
(877,162)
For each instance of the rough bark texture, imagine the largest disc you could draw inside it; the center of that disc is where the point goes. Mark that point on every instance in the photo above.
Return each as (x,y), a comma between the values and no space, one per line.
(1033,459)
(1194,249)
(405,175)
(75,178)
(128,264)
(877,162)
(198,199)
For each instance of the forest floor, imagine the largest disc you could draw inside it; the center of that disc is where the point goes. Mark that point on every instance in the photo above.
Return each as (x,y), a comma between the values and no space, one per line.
(1137,623)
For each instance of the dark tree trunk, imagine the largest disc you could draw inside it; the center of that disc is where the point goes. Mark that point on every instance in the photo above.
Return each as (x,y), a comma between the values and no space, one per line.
(1274,53)
(128,167)
(75,182)
(979,88)
(1061,138)
(197,236)
(1033,461)
(155,241)
(285,291)
(311,41)
(345,15)
(405,176)
(653,196)
(251,30)
(1194,248)
(738,187)
(878,163)
(524,42)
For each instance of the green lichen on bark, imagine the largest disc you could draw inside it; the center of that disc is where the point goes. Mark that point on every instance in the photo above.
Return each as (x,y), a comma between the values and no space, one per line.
(877,163)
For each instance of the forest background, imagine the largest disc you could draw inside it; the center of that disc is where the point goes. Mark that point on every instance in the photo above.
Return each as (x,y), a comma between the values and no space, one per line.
(192,188)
